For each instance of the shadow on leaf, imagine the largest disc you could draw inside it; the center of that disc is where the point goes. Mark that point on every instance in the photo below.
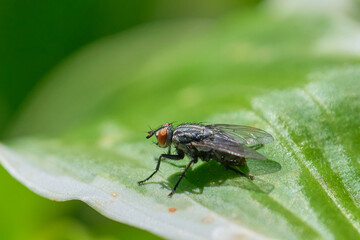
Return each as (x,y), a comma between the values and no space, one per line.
(213,174)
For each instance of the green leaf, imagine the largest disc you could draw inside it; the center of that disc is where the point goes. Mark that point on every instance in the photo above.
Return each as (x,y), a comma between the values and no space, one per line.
(315,194)
(81,134)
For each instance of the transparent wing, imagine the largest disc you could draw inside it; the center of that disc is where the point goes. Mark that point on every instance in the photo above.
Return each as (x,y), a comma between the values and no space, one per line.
(249,136)
(222,144)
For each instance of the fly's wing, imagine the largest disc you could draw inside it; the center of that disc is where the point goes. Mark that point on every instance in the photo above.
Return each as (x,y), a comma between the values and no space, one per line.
(249,136)
(222,144)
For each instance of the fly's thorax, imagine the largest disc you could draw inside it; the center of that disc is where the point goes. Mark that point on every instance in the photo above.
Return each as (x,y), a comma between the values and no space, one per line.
(187,133)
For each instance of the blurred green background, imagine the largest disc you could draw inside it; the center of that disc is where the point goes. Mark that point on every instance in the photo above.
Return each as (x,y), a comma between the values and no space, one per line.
(37,35)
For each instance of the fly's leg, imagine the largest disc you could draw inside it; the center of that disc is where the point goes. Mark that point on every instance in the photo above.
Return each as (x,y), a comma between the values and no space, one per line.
(168,156)
(169,150)
(241,173)
(257,146)
(194,160)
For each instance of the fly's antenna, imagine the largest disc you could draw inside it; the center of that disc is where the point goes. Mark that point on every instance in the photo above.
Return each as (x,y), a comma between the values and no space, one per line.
(151,133)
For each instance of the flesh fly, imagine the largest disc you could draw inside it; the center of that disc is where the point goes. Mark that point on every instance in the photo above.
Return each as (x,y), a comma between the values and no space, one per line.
(228,144)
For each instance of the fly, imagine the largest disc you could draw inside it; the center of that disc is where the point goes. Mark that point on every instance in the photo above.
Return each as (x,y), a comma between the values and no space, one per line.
(228,144)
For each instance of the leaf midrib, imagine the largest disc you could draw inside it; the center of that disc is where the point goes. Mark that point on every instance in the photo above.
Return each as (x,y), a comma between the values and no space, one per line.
(296,154)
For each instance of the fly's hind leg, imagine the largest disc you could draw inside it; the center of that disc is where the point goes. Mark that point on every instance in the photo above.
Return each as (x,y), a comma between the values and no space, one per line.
(237,171)
(257,146)
(227,162)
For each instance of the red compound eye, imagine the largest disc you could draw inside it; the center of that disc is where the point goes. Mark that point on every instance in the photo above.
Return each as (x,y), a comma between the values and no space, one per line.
(162,136)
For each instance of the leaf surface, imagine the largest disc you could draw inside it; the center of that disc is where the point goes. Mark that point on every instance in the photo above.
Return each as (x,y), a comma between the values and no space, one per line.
(82,134)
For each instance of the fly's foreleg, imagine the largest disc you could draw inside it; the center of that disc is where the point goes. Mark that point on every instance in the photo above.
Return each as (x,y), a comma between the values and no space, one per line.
(169,150)
(179,156)
(194,160)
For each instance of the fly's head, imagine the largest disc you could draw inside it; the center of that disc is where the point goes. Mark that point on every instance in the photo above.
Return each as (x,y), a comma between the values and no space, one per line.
(163,135)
